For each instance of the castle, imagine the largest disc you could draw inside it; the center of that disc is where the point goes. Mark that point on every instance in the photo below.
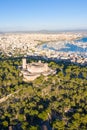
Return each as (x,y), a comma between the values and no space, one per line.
(35,69)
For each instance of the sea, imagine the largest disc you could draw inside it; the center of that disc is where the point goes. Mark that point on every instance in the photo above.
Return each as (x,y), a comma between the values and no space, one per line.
(74,46)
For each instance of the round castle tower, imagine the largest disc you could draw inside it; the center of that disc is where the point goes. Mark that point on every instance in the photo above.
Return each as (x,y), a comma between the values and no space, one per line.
(24,65)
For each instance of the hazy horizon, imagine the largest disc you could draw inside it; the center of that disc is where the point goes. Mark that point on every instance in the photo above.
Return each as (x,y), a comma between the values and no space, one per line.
(42,31)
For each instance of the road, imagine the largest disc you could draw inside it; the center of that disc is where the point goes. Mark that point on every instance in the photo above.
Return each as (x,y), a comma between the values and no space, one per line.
(8,96)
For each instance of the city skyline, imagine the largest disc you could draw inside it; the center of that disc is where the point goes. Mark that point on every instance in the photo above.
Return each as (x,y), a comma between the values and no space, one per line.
(34,15)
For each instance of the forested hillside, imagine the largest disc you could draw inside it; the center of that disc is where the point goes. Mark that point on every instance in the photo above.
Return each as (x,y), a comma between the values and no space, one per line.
(59,101)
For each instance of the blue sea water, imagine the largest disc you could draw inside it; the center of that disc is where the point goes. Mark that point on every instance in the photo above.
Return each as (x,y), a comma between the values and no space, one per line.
(69,47)
(73,48)
(84,39)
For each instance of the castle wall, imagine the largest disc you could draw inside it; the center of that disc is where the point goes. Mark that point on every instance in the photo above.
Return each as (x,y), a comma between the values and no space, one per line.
(35,69)
(30,78)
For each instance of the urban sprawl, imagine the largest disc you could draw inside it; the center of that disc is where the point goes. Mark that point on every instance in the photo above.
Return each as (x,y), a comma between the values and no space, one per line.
(44,45)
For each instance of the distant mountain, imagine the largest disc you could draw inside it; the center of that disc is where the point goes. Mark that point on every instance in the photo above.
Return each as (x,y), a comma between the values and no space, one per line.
(1,32)
(46,31)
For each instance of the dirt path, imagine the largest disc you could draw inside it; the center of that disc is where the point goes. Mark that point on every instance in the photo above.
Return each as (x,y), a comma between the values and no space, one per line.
(8,96)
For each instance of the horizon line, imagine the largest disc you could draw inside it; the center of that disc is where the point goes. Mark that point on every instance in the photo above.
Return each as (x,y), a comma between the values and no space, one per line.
(43,30)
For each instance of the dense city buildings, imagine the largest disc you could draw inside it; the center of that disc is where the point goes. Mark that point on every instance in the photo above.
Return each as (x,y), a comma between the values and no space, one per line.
(61,46)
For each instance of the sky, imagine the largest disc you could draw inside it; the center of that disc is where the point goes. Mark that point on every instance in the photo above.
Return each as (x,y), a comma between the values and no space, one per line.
(32,15)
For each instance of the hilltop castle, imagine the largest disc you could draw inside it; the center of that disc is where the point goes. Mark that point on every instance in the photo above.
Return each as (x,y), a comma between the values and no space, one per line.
(33,70)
